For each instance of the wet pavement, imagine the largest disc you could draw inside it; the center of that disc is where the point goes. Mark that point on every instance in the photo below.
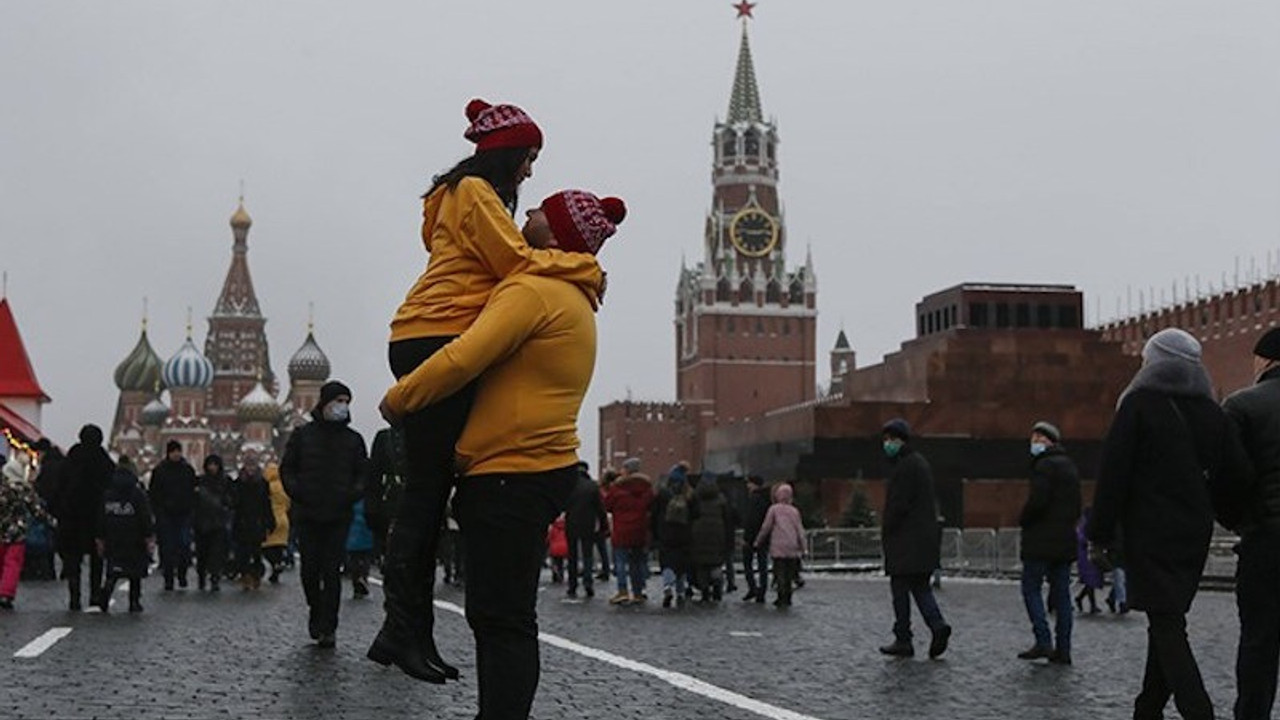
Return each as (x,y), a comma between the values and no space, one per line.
(198,655)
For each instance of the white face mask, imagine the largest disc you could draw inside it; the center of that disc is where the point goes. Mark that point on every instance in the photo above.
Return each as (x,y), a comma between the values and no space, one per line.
(1038,448)
(337,411)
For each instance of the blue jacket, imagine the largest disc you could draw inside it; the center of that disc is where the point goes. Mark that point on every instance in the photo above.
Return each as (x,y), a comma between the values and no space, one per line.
(359,536)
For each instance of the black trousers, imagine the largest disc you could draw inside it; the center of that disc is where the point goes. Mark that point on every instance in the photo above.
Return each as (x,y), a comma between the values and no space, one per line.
(211,554)
(755,566)
(504,522)
(1171,671)
(581,560)
(787,570)
(71,570)
(323,547)
(1258,601)
(413,539)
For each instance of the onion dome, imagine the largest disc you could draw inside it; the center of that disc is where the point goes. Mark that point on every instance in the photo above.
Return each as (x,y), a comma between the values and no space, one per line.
(155,413)
(188,368)
(240,219)
(141,370)
(310,362)
(258,406)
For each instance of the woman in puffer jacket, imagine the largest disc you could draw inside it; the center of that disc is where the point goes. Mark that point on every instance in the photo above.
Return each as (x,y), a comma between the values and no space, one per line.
(783,530)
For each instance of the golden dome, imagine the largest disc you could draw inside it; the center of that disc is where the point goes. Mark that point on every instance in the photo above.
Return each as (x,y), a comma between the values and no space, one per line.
(240,218)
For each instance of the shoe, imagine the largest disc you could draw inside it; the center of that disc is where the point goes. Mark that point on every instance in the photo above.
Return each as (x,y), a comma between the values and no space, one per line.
(275,576)
(327,640)
(182,582)
(360,589)
(313,626)
(731,588)
(899,648)
(572,592)
(1058,657)
(387,651)
(941,638)
(602,575)
(638,599)
(1035,652)
(256,582)
(751,595)
(1124,608)
(201,582)
(760,597)
(6,603)
(799,582)
(135,607)
(590,591)
(1111,604)
(1079,604)
(667,598)
(622,597)
(168,586)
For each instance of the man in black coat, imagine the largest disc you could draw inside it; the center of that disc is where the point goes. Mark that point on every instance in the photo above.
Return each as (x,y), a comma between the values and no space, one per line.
(1256,413)
(912,537)
(1049,541)
(755,560)
(323,471)
(1170,457)
(584,520)
(210,519)
(173,500)
(77,504)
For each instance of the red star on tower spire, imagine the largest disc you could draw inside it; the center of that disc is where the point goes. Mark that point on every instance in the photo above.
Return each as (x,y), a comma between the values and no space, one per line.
(744,9)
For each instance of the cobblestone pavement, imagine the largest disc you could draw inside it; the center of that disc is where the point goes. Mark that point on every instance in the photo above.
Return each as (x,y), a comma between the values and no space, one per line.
(195,655)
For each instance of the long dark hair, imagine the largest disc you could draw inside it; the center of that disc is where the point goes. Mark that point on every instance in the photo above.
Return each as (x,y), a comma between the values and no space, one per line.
(498,167)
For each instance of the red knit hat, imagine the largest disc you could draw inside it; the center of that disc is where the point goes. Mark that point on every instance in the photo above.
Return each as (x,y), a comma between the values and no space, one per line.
(500,126)
(581,221)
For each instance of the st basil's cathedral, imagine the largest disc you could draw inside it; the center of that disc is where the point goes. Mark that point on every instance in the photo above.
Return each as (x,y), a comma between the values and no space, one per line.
(226,399)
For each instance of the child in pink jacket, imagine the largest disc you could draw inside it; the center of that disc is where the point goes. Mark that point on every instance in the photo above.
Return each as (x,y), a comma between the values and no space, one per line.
(784,531)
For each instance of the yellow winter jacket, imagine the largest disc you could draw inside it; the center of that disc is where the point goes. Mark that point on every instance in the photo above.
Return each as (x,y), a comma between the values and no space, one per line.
(474,244)
(279,507)
(535,342)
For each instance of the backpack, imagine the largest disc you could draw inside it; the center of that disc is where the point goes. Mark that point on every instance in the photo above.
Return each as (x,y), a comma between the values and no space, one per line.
(677,512)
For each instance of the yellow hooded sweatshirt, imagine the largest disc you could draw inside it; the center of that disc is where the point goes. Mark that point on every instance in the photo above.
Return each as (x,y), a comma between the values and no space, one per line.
(535,342)
(474,244)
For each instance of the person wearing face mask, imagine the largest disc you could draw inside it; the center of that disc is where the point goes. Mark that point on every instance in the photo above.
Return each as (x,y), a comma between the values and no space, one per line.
(323,470)
(1255,411)
(474,244)
(1049,542)
(912,539)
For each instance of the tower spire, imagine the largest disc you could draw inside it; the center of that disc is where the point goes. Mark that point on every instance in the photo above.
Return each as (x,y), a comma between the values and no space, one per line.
(744,103)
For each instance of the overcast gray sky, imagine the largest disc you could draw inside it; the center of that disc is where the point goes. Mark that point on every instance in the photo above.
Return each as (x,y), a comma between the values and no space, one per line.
(924,143)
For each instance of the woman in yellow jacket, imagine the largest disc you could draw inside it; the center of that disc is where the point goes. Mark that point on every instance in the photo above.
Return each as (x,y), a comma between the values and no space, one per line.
(277,542)
(473,242)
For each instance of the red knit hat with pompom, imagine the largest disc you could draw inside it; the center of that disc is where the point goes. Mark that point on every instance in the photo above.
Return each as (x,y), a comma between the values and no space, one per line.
(501,126)
(581,221)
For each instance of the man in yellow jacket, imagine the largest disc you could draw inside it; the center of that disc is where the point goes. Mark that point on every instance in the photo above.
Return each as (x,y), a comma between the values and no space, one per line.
(535,343)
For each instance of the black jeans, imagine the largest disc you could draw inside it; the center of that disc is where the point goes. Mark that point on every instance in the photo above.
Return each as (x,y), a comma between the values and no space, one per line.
(323,547)
(71,569)
(431,434)
(1258,657)
(904,588)
(174,535)
(582,561)
(755,565)
(504,522)
(1171,671)
(787,570)
(211,554)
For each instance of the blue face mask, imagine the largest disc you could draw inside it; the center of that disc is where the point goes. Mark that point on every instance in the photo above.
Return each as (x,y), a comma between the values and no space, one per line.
(892,447)
(1037,448)
(337,412)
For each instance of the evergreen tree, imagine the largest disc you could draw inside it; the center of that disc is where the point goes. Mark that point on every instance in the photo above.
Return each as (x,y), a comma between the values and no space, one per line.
(858,514)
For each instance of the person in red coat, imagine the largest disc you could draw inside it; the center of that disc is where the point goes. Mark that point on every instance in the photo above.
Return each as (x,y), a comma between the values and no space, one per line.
(557,548)
(629,499)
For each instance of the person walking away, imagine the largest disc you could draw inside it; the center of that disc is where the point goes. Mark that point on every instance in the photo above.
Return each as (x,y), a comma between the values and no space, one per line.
(782,534)
(673,534)
(557,548)
(41,548)
(535,341)
(755,560)
(254,520)
(474,245)
(1255,412)
(276,543)
(1049,542)
(210,518)
(360,546)
(323,471)
(86,474)
(19,503)
(585,520)
(173,498)
(1090,573)
(912,541)
(1170,457)
(125,535)
(629,499)
(709,519)
(388,472)
(604,545)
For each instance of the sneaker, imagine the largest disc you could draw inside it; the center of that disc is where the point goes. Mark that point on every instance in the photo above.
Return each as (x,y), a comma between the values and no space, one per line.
(1057,657)
(622,597)
(941,637)
(1035,652)
(899,648)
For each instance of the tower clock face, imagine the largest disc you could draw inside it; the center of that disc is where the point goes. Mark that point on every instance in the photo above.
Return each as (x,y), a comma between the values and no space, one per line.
(753,231)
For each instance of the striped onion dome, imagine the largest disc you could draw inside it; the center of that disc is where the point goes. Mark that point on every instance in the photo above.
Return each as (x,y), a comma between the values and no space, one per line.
(310,362)
(258,406)
(141,369)
(188,368)
(155,413)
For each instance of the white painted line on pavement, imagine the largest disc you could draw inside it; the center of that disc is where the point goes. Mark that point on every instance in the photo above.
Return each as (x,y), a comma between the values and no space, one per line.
(679,680)
(745,633)
(37,647)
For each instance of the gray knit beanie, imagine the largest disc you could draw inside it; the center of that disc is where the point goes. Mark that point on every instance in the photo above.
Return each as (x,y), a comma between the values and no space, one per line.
(1171,344)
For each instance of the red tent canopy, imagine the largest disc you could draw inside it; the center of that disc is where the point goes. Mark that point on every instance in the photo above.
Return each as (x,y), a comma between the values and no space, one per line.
(17,379)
